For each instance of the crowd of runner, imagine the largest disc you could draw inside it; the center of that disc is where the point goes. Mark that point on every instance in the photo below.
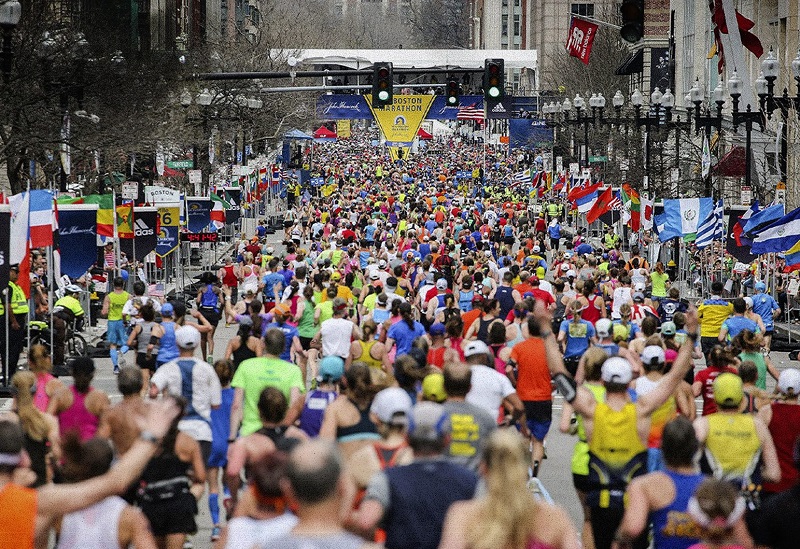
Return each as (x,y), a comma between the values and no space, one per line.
(392,380)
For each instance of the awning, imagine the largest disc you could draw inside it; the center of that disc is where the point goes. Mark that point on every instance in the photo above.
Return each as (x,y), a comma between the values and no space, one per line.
(732,164)
(632,65)
(323,132)
(296,134)
(423,134)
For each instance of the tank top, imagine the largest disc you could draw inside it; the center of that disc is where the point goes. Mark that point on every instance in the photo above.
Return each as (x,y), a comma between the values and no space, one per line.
(229,279)
(116,301)
(465,300)
(40,397)
(314,410)
(166,477)
(673,527)
(732,446)
(96,527)
(364,429)
(483,328)
(499,363)
(209,299)
(242,353)
(591,313)
(344,540)
(18,507)
(37,451)
(143,339)
(784,429)
(580,455)
(436,357)
(661,416)
(504,295)
(278,436)
(168,347)
(305,326)
(366,357)
(517,338)
(78,418)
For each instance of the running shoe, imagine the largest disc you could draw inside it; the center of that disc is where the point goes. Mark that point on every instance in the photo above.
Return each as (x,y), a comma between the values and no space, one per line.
(215,531)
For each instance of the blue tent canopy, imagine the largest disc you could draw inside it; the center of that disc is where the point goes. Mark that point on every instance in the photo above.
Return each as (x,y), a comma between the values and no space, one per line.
(296,134)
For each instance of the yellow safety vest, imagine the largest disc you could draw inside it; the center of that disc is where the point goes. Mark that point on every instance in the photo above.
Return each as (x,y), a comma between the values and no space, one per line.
(19,303)
(732,446)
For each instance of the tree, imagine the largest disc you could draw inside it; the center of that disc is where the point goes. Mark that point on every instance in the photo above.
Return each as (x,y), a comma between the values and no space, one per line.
(440,24)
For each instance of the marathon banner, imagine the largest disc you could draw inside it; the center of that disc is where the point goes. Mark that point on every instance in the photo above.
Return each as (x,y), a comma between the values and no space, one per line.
(77,238)
(440,110)
(168,229)
(529,133)
(233,196)
(161,195)
(198,213)
(401,120)
(5,246)
(145,231)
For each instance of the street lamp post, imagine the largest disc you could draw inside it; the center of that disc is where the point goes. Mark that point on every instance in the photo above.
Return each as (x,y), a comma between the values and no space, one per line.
(651,120)
(707,121)
(581,117)
(748,117)
(10,14)
(765,88)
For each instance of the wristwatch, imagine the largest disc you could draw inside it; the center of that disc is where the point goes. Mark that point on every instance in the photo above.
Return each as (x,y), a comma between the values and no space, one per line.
(148,436)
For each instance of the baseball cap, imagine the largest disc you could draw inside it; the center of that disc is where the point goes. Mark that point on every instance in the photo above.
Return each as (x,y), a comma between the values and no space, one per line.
(336,276)
(748,302)
(603,327)
(331,368)
(668,328)
(167,309)
(281,309)
(339,304)
(653,354)
(728,389)
(382,299)
(441,284)
(433,387)
(382,263)
(428,421)
(374,276)
(638,296)
(476,347)
(187,337)
(437,328)
(789,381)
(565,266)
(392,406)
(670,355)
(571,273)
(760,286)
(616,370)
(536,249)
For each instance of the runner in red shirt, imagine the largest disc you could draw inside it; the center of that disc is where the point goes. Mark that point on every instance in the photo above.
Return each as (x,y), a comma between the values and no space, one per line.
(719,361)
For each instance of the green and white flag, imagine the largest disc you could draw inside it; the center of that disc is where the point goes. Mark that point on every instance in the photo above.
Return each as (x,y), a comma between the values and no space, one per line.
(705,160)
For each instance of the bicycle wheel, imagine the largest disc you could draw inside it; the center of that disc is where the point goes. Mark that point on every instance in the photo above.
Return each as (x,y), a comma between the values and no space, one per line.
(76,346)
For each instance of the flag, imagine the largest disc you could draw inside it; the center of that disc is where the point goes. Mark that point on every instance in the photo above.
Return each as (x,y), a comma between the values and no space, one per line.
(646,212)
(41,219)
(600,206)
(105,212)
(763,219)
(615,209)
(561,183)
(681,217)
(19,246)
(581,189)
(522,177)
(740,249)
(580,39)
(125,221)
(745,37)
(631,206)
(219,205)
(738,229)
(792,259)
(470,112)
(782,235)
(705,159)
(585,202)
(711,228)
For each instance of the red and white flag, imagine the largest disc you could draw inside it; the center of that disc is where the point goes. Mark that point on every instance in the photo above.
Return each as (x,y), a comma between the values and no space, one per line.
(470,112)
(580,39)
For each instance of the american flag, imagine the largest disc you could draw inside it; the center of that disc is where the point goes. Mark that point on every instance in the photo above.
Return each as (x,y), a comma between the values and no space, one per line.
(616,203)
(470,112)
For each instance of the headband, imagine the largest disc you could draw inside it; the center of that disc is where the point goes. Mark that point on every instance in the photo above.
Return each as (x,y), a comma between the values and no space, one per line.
(10,459)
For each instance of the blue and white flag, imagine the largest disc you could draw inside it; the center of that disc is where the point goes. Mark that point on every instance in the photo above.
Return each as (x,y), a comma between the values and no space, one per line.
(711,228)
(523,177)
(780,236)
(682,217)
(763,219)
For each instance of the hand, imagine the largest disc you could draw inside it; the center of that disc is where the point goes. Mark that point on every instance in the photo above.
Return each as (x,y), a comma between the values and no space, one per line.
(692,323)
(542,315)
(159,417)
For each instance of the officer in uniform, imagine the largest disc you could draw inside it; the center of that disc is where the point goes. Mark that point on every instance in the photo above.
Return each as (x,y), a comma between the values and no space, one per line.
(65,311)
(17,320)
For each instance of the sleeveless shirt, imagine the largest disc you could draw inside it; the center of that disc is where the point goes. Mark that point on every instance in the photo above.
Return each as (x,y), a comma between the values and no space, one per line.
(96,527)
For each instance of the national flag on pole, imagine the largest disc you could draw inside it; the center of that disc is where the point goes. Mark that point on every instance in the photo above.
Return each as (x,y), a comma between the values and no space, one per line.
(523,177)
(219,205)
(41,219)
(125,221)
(631,207)
(763,219)
(580,39)
(602,205)
(792,259)
(470,112)
(561,183)
(738,229)
(646,211)
(579,193)
(105,212)
(681,217)
(585,202)
(705,159)
(782,235)
(19,247)
(711,228)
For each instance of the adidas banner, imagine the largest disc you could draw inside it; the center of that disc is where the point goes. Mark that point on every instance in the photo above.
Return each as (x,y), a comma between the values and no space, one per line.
(499,110)
(145,230)
(77,239)
(233,196)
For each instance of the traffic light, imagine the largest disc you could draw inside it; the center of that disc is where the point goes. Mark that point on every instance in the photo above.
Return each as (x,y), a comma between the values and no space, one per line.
(632,29)
(382,85)
(452,92)
(493,76)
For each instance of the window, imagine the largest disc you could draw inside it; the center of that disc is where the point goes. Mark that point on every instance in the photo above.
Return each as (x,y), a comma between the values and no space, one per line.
(583,9)
(688,44)
(517,25)
(504,25)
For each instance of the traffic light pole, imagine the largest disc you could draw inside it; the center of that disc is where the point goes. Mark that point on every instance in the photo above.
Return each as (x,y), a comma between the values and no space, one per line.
(316,74)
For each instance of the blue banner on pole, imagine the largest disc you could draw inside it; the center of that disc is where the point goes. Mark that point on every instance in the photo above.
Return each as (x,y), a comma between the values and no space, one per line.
(440,110)
(234,198)
(77,240)
(343,107)
(198,214)
(529,133)
(316,181)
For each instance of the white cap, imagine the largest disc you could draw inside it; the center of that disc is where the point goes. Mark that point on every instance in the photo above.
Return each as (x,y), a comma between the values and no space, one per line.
(639,287)
(536,249)
(565,266)
(476,347)
(187,337)
(571,273)
(390,403)
(789,381)
(441,284)
(603,327)
(748,301)
(653,353)
(616,370)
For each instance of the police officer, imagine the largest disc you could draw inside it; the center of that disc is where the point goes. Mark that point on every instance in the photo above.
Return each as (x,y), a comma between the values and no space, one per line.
(17,320)
(65,311)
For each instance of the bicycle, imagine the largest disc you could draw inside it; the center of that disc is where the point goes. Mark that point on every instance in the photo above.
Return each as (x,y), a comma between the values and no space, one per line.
(74,344)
